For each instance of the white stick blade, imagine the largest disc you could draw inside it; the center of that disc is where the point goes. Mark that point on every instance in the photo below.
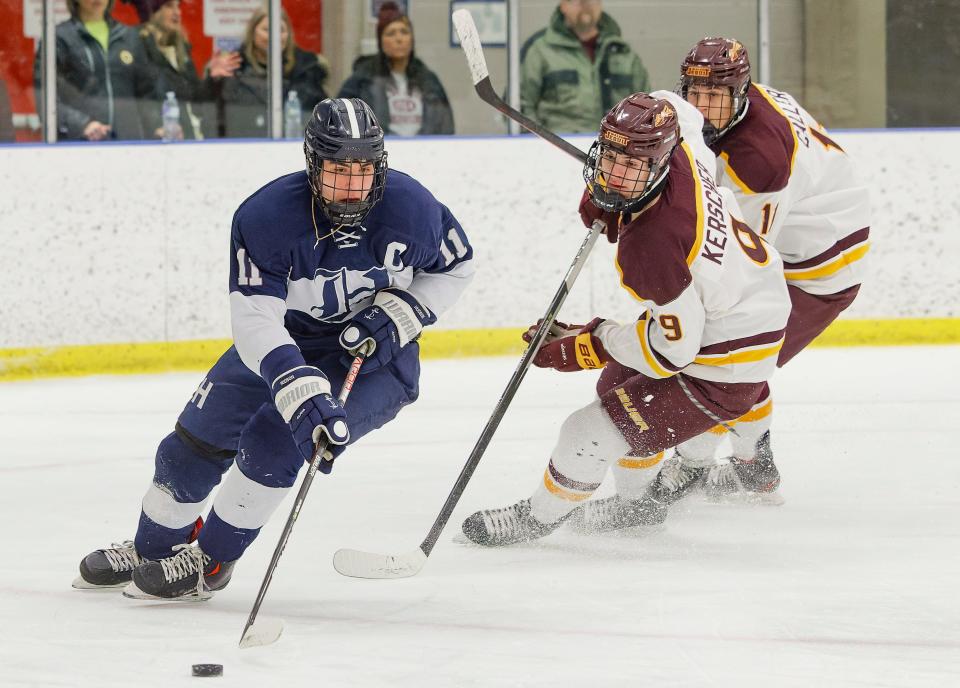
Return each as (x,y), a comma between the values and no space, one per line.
(470,42)
(262,632)
(357,564)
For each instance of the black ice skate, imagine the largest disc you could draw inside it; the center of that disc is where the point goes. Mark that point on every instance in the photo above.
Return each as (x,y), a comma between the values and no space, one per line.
(615,513)
(753,480)
(189,575)
(674,481)
(108,568)
(506,526)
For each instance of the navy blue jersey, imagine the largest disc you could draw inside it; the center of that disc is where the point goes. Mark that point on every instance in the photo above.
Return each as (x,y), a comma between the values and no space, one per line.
(295,278)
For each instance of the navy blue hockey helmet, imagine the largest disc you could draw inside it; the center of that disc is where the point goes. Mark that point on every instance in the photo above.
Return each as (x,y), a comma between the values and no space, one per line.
(345,129)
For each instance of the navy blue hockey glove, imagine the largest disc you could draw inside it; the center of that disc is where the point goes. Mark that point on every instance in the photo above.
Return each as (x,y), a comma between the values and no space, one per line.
(303,398)
(394,320)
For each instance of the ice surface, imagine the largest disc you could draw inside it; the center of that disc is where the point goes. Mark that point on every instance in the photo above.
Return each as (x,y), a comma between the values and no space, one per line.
(853,582)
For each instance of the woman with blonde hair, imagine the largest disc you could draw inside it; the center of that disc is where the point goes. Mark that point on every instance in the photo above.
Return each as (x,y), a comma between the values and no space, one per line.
(242,99)
(168,48)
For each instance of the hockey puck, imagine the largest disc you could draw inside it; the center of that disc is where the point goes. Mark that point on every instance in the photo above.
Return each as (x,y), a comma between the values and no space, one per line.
(208,670)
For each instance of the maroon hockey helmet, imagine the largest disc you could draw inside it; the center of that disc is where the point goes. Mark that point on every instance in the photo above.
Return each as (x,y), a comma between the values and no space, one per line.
(718,62)
(647,130)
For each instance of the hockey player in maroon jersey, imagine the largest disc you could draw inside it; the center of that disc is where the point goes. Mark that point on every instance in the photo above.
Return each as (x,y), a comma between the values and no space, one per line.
(797,188)
(712,307)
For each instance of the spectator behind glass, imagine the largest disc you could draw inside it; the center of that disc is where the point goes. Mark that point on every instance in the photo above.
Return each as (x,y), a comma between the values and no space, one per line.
(242,99)
(165,42)
(577,68)
(6,114)
(406,96)
(106,86)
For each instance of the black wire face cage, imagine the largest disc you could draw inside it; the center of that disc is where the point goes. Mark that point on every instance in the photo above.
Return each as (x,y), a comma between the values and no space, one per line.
(737,102)
(616,193)
(352,211)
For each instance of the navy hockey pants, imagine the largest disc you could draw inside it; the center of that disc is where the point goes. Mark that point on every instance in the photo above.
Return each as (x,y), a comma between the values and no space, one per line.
(231,416)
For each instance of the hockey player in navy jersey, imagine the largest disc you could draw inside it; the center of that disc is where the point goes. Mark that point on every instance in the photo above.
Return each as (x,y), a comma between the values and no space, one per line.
(321,262)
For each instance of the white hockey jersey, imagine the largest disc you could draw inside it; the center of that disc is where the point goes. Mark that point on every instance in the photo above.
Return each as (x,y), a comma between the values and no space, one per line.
(714,301)
(798,190)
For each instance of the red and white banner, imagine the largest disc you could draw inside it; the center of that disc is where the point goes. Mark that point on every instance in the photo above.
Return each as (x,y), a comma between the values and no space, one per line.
(227,17)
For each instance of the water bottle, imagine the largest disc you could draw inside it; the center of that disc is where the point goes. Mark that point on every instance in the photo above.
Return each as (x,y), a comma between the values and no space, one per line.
(292,126)
(171,117)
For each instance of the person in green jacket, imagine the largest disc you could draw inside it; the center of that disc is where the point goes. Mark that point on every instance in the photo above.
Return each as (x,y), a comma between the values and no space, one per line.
(577,68)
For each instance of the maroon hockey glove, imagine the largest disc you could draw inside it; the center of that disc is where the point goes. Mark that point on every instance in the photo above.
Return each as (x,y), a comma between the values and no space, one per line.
(589,213)
(569,348)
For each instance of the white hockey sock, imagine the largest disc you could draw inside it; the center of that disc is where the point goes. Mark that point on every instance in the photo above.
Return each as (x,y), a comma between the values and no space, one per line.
(161,508)
(244,503)
(701,451)
(633,473)
(750,428)
(588,442)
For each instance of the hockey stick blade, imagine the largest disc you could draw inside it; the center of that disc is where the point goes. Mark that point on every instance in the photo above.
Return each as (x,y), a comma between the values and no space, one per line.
(470,42)
(263,632)
(357,564)
(472,48)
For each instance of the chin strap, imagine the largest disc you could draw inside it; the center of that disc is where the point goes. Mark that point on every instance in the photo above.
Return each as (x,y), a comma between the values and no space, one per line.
(344,236)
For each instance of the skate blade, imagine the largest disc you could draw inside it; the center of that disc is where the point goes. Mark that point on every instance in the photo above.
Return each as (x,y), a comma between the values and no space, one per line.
(748,498)
(135,593)
(80,584)
(639,530)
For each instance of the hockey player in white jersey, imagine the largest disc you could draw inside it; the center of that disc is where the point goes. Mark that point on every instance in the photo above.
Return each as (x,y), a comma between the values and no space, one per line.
(712,306)
(798,189)
(322,261)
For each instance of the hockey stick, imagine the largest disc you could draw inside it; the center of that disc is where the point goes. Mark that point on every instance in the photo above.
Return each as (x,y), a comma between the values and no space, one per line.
(470,42)
(359,564)
(270,629)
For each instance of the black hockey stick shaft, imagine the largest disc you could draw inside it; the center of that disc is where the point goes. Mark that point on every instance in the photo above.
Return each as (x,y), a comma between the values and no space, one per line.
(485,91)
(315,464)
(512,385)
(470,42)
(473,49)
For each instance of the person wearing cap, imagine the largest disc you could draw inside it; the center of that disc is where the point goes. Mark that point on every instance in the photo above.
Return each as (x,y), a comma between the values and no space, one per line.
(106,84)
(165,41)
(242,99)
(406,95)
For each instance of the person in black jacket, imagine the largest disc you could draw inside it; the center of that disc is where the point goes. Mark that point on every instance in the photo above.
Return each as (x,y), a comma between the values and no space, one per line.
(242,99)
(406,96)
(167,48)
(106,85)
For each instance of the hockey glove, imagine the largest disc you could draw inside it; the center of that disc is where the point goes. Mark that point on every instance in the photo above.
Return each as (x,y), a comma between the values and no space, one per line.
(569,348)
(590,213)
(303,398)
(394,320)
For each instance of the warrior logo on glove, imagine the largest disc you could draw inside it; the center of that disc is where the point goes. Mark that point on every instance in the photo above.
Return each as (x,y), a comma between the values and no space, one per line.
(394,320)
